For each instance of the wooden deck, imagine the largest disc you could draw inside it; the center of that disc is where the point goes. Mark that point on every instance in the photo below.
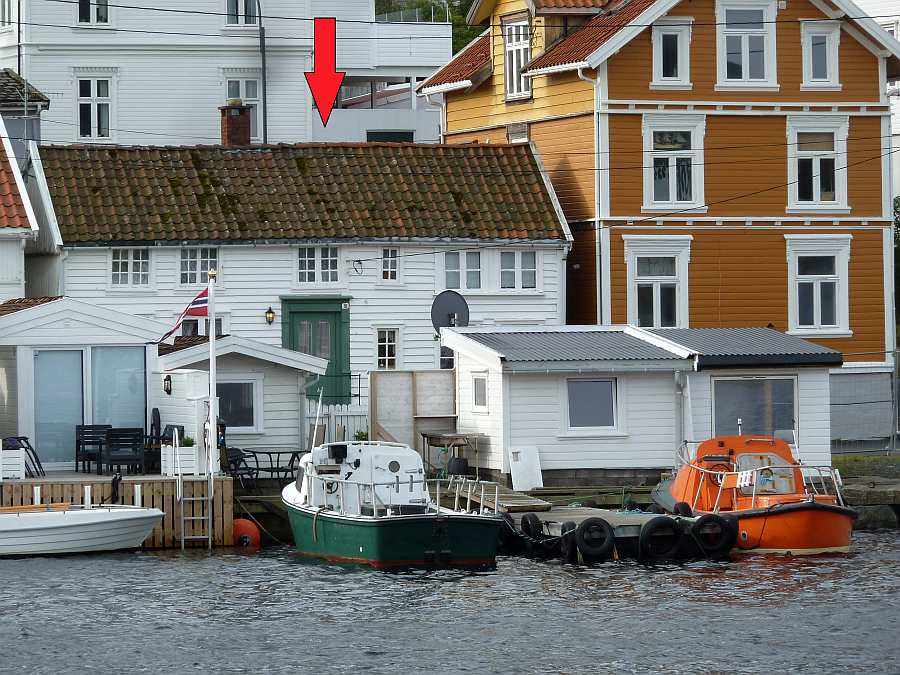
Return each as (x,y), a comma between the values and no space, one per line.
(625,523)
(510,500)
(152,491)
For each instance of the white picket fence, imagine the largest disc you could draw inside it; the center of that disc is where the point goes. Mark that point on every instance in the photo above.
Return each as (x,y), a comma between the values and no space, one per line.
(342,422)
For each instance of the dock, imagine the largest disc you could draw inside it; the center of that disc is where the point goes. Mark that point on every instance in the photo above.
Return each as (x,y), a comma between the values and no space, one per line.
(625,523)
(509,500)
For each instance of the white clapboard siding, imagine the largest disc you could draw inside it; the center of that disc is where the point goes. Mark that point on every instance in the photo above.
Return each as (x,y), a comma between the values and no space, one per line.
(647,423)
(8,393)
(488,423)
(12,269)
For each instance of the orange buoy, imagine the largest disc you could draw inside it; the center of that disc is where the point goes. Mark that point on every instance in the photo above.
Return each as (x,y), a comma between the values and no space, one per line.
(246,533)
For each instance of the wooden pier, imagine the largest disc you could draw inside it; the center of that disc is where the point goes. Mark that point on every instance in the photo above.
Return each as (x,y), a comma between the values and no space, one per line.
(149,491)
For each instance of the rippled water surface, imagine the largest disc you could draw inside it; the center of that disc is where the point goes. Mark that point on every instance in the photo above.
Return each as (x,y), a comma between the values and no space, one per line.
(274,612)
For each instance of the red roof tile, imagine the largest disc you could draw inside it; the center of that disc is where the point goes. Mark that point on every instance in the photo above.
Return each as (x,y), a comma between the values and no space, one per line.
(18,304)
(12,209)
(299,192)
(569,4)
(465,65)
(588,38)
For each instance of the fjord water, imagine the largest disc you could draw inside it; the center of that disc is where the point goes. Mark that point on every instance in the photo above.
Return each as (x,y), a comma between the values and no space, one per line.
(274,612)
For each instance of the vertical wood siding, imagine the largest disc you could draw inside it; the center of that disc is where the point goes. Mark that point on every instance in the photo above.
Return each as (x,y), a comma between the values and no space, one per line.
(740,278)
(581,286)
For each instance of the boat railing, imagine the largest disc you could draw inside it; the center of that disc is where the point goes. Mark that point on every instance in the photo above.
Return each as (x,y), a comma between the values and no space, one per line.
(816,481)
(457,488)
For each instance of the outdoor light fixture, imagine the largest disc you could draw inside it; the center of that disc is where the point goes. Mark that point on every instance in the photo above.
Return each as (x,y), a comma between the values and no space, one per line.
(167,384)
(270,315)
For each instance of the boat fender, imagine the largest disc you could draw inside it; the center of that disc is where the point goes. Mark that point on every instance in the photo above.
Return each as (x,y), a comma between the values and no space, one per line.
(567,544)
(532,527)
(659,538)
(714,535)
(683,509)
(654,508)
(595,538)
(510,539)
(246,533)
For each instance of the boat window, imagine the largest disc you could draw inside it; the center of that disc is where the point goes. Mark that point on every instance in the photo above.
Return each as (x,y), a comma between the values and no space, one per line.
(778,481)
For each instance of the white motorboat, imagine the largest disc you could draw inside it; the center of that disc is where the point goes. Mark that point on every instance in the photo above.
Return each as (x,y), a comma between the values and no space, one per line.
(61,528)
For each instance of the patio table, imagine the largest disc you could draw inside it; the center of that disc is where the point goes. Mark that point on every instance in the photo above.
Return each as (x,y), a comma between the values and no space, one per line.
(274,461)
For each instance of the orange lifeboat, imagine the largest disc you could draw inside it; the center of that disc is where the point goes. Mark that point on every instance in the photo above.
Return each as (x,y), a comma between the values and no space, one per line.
(779,505)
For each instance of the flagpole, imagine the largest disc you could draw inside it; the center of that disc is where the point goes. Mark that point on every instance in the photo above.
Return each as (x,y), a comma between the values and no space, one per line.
(213,435)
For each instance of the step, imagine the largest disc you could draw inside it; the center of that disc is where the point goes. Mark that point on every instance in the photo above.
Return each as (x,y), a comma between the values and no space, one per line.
(196,537)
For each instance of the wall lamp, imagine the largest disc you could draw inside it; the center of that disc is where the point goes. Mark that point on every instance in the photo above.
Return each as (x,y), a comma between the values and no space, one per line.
(167,384)
(270,315)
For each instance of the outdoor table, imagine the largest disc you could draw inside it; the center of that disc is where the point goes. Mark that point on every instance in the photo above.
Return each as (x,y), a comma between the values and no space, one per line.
(274,458)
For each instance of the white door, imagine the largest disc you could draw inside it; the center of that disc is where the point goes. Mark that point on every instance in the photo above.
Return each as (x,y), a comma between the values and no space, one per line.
(58,403)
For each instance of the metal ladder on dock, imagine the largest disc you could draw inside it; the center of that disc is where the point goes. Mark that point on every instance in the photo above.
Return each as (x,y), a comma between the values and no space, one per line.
(206,527)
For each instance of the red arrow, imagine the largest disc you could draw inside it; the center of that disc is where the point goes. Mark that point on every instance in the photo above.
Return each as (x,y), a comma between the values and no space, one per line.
(325,81)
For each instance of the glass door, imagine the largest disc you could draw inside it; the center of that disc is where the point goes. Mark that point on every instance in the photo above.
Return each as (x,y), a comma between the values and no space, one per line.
(316,333)
(58,403)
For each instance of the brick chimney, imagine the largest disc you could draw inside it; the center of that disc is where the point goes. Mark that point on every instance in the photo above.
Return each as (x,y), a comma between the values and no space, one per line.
(235,124)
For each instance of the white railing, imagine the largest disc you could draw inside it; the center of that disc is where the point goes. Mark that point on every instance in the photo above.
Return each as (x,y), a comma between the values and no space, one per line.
(339,420)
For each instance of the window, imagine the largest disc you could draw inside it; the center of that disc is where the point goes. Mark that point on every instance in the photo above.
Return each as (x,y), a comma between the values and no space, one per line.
(673,162)
(447,359)
(657,271)
(518,269)
(480,392)
(817,148)
(821,40)
(517,52)
(318,264)
(93,11)
(762,406)
(818,268)
(390,136)
(241,402)
(130,267)
(94,103)
(671,53)
(746,43)
(240,12)
(390,264)
(6,19)
(196,263)
(248,91)
(591,404)
(195,327)
(469,275)
(387,344)
(517,133)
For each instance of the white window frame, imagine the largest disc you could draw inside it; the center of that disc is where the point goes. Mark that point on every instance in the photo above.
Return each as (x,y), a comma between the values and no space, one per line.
(242,77)
(831,30)
(258,382)
(696,125)
(390,264)
(619,395)
(319,269)
(241,23)
(130,285)
(95,11)
(656,246)
(6,15)
(770,14)
(94,100)
(837,245)
(680,26)
(519,50)
(464,269)
(486,408)
(200,271)
(518,270)
(760,376)
(839,125)
(398,341)
(203,322)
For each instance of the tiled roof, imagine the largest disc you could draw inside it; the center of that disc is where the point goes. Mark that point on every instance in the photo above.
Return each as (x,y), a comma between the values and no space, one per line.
(569,4)
(588,38)
(12,90)
(183,342)
(12,209)
(465,65)
(299,192)
(18,304)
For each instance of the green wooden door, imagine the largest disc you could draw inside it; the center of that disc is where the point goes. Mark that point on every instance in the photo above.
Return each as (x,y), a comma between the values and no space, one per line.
(321,328)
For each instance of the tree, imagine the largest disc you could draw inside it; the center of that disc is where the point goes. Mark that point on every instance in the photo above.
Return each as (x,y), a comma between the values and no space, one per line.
(463,33)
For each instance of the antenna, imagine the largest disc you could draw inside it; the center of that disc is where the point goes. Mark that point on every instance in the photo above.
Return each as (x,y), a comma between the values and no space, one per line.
(449,310)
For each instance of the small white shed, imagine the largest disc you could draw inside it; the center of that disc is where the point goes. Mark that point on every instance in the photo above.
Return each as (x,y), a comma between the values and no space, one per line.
(601,402)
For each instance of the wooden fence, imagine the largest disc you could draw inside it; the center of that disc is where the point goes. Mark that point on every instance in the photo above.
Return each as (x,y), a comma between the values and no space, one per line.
(342,422)
(155,491)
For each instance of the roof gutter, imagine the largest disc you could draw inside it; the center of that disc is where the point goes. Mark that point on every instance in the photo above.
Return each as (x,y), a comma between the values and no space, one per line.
(444,88)
(561,68)
(442,104)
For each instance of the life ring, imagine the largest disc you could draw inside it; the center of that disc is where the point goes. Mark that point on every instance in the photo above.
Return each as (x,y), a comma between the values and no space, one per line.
(717,470)
(595,539)
(683,509)
(532,527)
(659,538)
(714,535)
(568,546)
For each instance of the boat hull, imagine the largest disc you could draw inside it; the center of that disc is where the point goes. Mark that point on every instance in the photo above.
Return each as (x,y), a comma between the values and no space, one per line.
(803,528)
(391,542)
(75,530)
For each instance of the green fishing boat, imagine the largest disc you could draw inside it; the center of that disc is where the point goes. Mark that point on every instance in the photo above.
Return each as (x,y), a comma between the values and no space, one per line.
(370,503)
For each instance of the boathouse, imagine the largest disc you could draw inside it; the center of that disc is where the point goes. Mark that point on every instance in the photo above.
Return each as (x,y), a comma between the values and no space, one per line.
(594,403)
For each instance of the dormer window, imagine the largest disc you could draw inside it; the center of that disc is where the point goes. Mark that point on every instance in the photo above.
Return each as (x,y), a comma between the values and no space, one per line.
(516,52)
(745,44)
(671,53)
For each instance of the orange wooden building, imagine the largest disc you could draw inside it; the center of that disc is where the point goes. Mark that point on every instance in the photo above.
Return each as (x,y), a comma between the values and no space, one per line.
(720,162)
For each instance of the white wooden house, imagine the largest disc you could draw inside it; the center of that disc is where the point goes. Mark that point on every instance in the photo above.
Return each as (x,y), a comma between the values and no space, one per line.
(602,402)
(332,250)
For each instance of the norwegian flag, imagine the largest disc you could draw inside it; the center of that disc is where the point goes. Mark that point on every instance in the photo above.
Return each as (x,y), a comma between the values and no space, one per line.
(199,306)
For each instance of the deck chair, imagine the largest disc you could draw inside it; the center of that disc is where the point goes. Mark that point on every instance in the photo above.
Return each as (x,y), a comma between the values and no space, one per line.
(89,439)
(123,447)
(153,443)
(33,466)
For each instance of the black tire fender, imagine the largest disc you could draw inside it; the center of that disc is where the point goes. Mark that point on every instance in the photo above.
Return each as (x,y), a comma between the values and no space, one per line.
(567,544)
(595,538)
(531,526)
(683,509)
(714,535)
(659,538)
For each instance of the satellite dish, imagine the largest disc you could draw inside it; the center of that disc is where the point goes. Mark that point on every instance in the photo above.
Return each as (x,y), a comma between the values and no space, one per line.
(449,310)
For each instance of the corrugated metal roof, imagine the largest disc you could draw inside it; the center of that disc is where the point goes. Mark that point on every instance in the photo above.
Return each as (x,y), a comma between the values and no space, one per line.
(749,347)
(608,345)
